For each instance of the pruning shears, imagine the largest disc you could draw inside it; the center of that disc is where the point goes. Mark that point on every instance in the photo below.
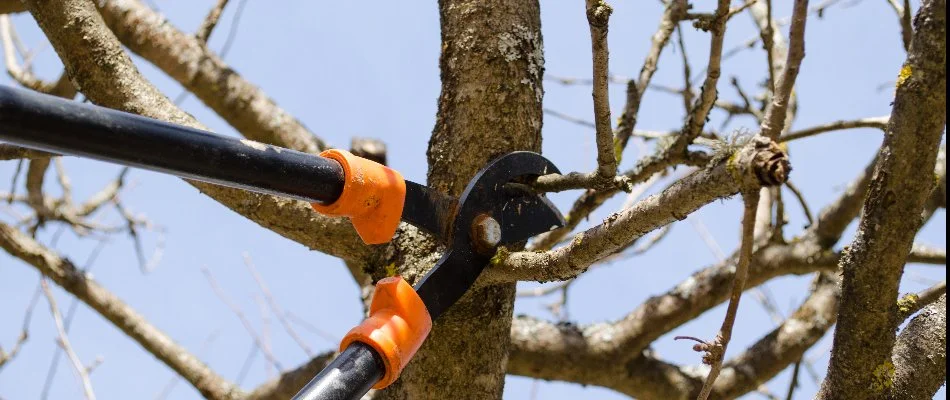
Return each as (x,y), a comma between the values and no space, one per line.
(495,209)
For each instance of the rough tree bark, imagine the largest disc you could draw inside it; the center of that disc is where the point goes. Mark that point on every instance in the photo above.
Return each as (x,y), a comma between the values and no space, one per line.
(903,180)
(491,66)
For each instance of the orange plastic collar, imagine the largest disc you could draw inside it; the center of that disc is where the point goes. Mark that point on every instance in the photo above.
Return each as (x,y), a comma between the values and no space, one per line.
(398,323)
(373,197)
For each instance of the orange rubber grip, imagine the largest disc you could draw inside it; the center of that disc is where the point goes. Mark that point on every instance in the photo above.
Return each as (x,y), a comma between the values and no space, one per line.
(398,323)
(373,197)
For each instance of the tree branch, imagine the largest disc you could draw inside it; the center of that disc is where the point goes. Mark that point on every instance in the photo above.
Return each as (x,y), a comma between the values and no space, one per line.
(288,383)
(708,92)
(903,11)
(775,115)
(920,354)
(156,342)
(911,303)
(11,152)
(204,31)
(62,87)
(258,341)
(593,199)
(12,6)
(187,60)
(874,122)
(598,15)
(274,307)
(921,253)
(64,343)
(901,185)
(759,162)
(95,60)
(700,292)
(715,350)
(835,218)
(785,344)
(672,15)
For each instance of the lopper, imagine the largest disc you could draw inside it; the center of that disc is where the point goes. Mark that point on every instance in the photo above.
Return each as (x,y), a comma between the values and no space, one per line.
(495,209)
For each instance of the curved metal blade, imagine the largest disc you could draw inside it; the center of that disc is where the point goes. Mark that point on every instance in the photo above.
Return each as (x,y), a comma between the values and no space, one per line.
(520,214)
(429,210)
(526,216)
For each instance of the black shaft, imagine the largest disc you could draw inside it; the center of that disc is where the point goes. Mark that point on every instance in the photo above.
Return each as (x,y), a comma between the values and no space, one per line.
(348,377)
(56,125)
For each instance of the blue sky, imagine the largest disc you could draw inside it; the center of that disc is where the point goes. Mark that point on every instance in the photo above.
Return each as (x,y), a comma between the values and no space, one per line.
(371,69)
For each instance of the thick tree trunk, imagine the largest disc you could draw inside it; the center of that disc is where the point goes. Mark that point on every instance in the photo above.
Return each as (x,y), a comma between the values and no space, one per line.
(491,63)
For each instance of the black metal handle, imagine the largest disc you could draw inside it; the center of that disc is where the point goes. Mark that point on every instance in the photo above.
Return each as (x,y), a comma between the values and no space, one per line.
(348,377)
(61,126)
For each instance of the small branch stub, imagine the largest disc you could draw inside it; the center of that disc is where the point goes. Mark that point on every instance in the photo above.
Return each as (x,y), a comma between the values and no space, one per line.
(598,13)
(768,162)
(486,234)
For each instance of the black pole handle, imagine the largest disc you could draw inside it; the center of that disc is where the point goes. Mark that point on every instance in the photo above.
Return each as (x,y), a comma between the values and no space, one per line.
(348,377)
(61,126)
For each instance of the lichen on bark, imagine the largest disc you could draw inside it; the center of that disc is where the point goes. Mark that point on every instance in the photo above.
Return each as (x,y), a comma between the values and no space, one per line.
(491,65)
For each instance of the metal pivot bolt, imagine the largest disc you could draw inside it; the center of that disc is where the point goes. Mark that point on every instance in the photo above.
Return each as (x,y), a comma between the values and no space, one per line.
(486,233)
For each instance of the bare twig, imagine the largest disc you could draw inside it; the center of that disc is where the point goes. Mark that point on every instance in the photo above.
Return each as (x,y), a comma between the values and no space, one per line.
(369,148)
(717,349)
(248,362)
(274,307)
(542,291)
(104,196)
(70,278)
(904,15)
(240,314)
(780,220)
(735,10)
(11,152)
(801,200)
(687,71)
(170,386)
(760,161)
(768,42)
(132,222)
(874,122)
(571,81)
(672,15)
(265,330)
(761,294)
(7,356)
(598,15)
(61,87)
(604,177)
(68,321)
(204,31)
(570,118)
(312,328)
(775,122)
(794,382)
(64,182)
(256,116)
(35,176)
(592,199)
(925,254)
(13,184)
(910,304)
(64,343)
